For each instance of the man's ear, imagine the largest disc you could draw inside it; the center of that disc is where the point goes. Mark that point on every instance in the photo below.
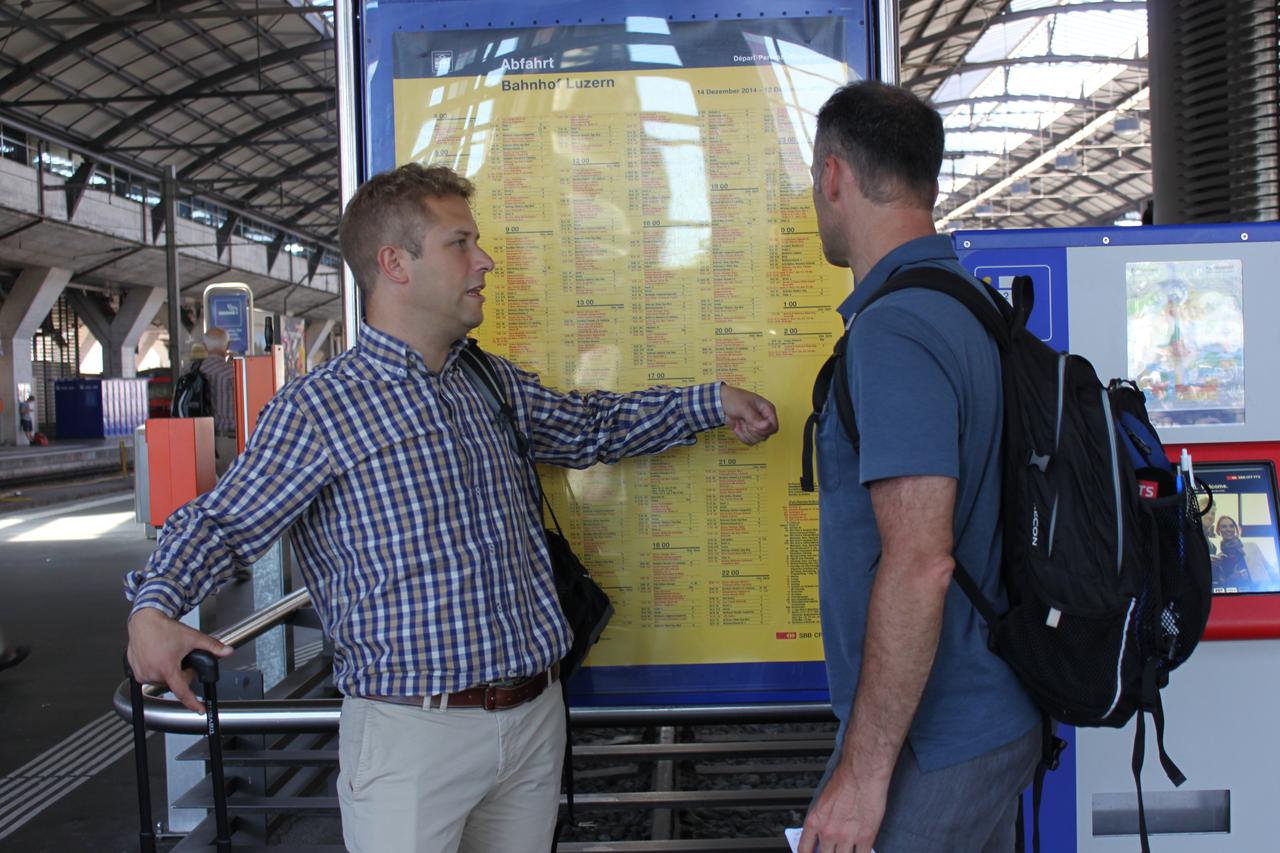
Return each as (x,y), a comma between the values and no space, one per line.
(834,173)
(392,263)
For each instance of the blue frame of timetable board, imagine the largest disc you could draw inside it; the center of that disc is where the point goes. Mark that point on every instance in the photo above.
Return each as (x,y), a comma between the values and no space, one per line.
(638,36)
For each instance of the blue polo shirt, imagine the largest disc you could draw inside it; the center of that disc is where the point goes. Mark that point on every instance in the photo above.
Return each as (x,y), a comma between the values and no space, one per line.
(925,382)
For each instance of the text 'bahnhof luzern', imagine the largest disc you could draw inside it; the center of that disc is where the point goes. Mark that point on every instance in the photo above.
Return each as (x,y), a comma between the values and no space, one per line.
(558,83)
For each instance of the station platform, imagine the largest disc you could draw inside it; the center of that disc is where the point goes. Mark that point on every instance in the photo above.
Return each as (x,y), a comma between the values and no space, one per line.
(66,770)
(63,459)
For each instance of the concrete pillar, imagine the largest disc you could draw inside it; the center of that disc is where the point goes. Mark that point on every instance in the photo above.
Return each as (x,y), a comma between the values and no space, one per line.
(137,311)
(316,336)
(154,344)
(88,340)
(119,334)
(96,321)
(32,297)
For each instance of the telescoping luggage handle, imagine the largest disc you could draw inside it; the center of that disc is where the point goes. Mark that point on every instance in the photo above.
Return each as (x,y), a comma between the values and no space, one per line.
(205,665)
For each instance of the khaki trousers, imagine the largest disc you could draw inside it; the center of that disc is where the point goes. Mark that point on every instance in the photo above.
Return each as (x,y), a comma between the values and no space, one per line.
(461,779)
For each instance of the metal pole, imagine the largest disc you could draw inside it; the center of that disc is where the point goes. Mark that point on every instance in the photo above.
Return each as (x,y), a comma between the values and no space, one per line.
(169,190)
(349,151)
(887,44)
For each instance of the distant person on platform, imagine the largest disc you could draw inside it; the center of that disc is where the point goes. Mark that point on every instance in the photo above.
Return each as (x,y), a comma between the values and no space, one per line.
(219,373)
(418,531)
(25,409)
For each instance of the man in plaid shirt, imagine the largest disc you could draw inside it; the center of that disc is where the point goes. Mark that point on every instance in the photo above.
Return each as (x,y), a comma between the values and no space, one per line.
(417,530)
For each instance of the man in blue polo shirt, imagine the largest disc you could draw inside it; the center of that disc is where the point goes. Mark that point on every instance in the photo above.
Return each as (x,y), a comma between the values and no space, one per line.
(937,737)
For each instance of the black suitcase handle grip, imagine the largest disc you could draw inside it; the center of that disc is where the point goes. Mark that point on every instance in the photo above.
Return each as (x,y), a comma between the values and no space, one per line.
(204,663)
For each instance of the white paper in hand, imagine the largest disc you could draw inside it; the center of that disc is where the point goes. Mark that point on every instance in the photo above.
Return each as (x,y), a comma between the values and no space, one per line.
(793,838)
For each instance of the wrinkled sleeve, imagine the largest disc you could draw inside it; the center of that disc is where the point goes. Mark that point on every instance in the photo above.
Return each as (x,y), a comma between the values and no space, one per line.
(205,541)
(577,429)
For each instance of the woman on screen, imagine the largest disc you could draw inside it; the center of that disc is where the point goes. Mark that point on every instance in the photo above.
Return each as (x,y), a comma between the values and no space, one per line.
(1240,564)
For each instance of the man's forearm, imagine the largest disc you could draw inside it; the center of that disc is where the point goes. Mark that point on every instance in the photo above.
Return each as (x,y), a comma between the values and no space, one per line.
(903,624)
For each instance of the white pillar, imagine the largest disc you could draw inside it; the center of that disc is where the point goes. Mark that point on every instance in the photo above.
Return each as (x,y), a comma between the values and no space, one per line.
(119,334)
(316,336)
(32,297)
(154,344)
(136,312)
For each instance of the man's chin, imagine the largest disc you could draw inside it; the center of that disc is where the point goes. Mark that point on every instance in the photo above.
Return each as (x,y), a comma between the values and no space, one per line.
(835,260)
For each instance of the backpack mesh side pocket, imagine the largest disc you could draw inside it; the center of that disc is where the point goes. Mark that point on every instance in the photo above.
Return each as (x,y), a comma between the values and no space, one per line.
(1181,557)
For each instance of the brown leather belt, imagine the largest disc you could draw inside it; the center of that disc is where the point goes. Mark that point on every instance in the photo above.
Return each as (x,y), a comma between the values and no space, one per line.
(491,697)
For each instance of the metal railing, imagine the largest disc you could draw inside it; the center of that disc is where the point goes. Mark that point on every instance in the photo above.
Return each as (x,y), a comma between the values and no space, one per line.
(299,716)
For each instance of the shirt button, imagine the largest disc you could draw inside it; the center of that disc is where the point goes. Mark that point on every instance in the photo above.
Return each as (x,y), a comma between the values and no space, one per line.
(511,673)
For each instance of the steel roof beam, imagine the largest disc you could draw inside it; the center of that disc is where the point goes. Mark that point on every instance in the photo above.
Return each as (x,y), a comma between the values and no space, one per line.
(145,17)
(204,84)
(245,138)
(111,27)
(295,171)
(1088,103)
(937,48)
(1007,62)
(141,171)
(132,99)
(1010,17)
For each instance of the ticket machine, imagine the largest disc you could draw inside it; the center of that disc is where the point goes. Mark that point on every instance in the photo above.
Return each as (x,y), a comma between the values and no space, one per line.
(1190,313)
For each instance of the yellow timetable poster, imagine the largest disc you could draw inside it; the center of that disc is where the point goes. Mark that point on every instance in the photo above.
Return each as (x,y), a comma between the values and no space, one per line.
(652,223)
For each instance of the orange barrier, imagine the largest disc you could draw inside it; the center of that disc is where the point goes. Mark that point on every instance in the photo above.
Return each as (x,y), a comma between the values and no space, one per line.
(180,463)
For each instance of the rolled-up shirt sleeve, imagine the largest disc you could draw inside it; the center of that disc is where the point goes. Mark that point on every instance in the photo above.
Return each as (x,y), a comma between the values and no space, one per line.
(205,541)
(578,429)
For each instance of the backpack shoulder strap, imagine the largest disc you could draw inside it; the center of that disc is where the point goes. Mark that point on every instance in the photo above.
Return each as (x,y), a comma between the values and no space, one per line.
(475,364)
(995,315)
(991,309)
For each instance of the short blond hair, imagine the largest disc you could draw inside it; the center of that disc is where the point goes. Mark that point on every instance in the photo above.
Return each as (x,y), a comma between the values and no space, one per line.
(390,209)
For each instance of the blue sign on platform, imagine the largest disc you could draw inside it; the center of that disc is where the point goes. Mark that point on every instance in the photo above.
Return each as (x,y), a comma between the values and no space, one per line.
(230,307)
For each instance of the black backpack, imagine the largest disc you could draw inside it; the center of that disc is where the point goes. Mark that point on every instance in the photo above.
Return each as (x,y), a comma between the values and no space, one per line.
(193,395)
(1105,562)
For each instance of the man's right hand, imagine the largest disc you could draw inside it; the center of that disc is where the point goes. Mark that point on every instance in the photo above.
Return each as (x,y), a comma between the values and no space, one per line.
(157,645)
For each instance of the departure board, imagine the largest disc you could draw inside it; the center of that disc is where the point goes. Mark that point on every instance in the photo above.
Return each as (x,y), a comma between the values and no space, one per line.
(644,190)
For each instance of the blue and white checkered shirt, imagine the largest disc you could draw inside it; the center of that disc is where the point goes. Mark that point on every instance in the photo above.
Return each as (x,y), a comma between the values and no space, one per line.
(414,521)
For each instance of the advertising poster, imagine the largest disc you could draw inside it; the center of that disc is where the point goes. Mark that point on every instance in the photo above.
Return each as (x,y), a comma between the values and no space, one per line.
(293,331)
(1186,339)
(643,186)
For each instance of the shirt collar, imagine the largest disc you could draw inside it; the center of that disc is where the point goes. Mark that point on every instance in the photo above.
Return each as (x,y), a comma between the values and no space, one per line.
(393,357)
(933,247)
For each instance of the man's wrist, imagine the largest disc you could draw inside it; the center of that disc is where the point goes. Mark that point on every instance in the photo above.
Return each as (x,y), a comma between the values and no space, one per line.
(150,610)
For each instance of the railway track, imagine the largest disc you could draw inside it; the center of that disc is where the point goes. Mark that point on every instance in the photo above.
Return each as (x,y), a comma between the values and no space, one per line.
(697,787)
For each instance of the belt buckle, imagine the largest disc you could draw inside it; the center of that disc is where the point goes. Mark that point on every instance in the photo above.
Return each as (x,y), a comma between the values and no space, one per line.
(490,697)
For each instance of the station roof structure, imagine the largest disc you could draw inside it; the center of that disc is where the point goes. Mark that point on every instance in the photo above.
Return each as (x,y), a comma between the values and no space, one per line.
(239,97)
(1045,103)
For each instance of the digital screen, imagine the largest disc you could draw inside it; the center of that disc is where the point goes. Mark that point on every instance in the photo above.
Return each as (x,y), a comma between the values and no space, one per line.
(1186,339)
(1240,525)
